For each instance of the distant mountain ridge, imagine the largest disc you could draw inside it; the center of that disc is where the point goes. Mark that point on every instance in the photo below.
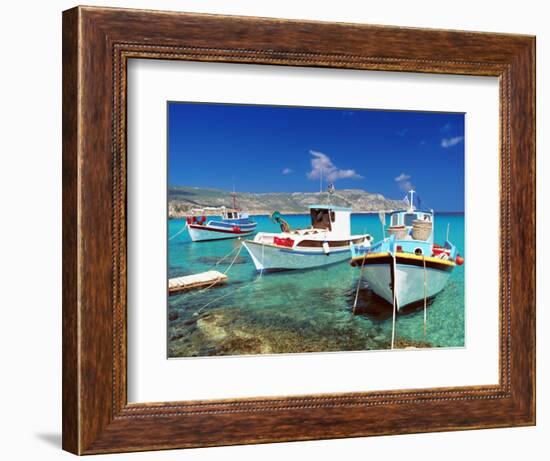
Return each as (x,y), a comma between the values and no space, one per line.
(182,199)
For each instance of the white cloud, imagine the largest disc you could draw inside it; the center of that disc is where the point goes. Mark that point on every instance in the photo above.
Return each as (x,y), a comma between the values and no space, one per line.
(450,142)
(322,164)
(402,132)
(403,181)
(288,170)
(402,177)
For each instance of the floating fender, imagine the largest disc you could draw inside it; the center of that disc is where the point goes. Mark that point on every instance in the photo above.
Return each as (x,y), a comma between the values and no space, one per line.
(459,260)
(236,229)
(326,248)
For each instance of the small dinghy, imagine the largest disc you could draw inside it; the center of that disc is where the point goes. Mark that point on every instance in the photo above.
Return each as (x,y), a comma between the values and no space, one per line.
(189,282)
(407,266)
(327,241)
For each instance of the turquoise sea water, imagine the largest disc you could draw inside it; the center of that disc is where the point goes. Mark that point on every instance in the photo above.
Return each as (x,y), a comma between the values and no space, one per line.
(300,311)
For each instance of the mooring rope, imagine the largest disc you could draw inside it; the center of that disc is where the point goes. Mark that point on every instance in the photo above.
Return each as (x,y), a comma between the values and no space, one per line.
(228,254)
(394,286)
(425,289)
(237,289)
(228,293)
(262,269)
(359,283)
(178,233)
(226,270)
(190,295)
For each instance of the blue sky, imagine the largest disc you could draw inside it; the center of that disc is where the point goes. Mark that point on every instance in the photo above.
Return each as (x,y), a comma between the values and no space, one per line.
(284,149)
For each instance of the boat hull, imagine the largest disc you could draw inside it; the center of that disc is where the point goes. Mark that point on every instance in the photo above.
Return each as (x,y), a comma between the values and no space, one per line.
(199,233)
(409,278)
(267,257)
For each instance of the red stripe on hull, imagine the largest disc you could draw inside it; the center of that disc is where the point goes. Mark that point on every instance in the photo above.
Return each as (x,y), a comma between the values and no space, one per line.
(221,231)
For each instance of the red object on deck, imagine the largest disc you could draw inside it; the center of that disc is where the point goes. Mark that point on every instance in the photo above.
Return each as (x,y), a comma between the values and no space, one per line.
(203,219)
(437,250)
(283,242)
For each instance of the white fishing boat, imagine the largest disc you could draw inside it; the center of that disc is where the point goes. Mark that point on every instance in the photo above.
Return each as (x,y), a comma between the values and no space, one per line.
(407,266)
(327,241)
(227,223)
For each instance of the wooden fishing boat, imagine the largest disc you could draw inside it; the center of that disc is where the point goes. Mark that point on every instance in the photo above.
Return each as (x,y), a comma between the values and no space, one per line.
(407,266)
(326,242)
(229,223)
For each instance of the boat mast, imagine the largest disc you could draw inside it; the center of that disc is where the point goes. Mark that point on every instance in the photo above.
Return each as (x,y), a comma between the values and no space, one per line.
(234,195)
(411,203)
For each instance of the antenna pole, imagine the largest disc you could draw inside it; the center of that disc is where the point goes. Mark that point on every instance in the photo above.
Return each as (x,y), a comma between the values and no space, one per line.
(411,202)
(234,195)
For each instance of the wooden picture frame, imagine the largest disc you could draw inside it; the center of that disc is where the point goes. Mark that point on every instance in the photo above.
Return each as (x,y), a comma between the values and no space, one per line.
(97,43)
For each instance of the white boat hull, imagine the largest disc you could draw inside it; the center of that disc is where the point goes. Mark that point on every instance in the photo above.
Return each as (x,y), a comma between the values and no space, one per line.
(198,235)
(409,282)
(270,257)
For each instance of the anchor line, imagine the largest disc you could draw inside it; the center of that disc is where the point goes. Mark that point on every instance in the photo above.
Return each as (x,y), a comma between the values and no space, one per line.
(190,295)
(425,289)
(359,283)
(228,294)
(178,233)
(263,246)
(394,283)
(235,290)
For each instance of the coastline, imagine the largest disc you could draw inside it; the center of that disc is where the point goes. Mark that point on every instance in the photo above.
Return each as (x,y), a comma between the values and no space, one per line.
(182,215)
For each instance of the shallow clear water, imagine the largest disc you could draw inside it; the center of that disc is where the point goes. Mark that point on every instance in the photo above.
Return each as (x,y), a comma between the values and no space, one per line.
(300,311)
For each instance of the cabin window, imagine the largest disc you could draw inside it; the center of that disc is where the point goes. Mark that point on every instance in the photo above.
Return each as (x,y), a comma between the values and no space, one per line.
(320,219)
(409,218)
(332,216)
(395,220)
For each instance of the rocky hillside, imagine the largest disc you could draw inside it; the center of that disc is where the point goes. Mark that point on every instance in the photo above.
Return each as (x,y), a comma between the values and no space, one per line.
(183,199)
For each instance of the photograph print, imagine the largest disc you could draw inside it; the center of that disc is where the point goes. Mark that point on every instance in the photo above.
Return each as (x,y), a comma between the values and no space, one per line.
(313,229)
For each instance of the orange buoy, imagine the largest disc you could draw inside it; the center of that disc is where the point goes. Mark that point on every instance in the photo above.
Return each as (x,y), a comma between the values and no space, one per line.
(459,260)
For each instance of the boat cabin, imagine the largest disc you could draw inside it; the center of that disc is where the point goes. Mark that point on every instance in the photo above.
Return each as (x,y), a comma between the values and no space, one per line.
(231,213)
(406,218)
(331,218)
(412,225)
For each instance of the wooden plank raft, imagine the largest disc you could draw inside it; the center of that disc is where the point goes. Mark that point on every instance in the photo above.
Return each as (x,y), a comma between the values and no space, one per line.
(189,282)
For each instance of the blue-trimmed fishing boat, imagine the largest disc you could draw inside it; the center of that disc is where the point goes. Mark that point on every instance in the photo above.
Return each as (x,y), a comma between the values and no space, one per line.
(407,266)
(326,242)
(226,224)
